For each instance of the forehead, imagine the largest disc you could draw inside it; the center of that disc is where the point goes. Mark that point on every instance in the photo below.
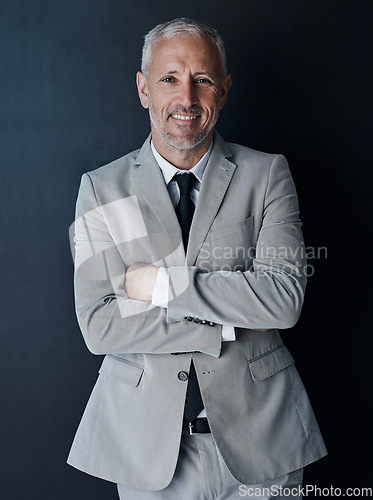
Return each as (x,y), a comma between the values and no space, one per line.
(174,53)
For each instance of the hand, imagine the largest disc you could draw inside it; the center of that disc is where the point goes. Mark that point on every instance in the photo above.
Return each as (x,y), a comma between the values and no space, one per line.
(140,281)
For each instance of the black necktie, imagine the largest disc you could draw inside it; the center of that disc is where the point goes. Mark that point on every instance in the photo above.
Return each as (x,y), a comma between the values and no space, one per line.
(184,211)
(185,207)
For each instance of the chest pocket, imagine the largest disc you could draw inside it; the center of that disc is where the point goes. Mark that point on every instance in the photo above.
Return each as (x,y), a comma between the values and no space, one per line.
(228,246)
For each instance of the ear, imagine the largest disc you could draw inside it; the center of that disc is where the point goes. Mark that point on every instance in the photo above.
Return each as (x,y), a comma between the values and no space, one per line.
(142,89)
(227,82)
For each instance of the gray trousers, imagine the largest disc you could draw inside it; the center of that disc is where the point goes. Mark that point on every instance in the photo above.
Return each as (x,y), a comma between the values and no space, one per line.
(201,474)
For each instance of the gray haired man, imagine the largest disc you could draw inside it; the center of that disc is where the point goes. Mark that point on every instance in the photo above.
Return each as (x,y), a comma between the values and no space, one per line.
(188,259)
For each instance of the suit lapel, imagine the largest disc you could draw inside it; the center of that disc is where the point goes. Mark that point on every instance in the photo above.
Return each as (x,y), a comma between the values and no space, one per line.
(150,183)
(216,179)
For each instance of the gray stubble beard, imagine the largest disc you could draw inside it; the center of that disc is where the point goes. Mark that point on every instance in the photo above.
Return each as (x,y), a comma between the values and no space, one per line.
(170,140)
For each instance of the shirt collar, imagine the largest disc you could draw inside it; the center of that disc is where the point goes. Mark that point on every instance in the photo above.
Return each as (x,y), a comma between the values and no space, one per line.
(168,170)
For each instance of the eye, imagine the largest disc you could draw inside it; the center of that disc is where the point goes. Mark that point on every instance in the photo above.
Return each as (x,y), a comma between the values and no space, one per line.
(168,79)
(204,80)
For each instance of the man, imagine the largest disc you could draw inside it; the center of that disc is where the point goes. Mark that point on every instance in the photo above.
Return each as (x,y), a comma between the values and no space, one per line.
(188,258)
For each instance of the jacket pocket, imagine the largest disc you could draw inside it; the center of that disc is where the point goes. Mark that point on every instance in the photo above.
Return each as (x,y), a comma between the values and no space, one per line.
(269,363)
(223,229)
(122,370)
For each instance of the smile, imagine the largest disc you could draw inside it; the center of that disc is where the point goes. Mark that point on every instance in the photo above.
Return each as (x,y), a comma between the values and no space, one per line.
(184,117)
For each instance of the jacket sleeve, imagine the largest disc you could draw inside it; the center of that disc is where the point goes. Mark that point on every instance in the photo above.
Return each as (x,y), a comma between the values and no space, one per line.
(268,295)
(109,320)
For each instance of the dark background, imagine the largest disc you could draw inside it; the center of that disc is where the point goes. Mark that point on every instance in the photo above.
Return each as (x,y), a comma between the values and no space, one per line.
(301,86)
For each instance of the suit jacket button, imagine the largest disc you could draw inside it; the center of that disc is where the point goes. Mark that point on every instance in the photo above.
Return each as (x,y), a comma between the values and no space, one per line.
(211,323)
(182,376)
(189,318)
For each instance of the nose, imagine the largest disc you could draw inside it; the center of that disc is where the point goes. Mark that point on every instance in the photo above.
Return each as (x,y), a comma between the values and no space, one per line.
(188,93)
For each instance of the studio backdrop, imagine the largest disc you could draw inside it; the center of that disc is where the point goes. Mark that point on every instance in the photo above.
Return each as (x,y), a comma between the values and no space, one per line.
(301,73)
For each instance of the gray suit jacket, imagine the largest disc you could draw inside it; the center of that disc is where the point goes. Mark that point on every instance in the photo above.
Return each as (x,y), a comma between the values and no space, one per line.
(244,267)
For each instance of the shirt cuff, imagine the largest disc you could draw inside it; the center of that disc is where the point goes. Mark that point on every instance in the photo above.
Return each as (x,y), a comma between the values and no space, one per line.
(160,292)
(228,333)
(160,299)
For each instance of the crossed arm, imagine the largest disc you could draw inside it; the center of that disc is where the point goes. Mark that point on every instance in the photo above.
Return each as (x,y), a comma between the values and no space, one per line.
(114,318)
(140,281)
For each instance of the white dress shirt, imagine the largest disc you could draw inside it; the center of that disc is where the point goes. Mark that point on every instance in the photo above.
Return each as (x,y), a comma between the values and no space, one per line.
(160,293)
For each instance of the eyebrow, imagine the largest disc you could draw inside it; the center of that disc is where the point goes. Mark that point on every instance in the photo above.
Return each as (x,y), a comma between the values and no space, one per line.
(175,72)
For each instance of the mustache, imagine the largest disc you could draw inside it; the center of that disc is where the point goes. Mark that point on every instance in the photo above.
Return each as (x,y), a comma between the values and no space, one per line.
(183,109)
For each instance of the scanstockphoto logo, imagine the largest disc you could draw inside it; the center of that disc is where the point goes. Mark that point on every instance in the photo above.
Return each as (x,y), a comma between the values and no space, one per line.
(309,490)
(262,259)
(266,251)
(106,240)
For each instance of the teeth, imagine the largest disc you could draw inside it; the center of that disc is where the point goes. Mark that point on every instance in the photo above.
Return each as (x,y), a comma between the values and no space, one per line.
(183,117)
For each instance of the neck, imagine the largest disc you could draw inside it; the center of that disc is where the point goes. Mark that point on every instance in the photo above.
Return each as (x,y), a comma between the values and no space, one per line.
(184,159)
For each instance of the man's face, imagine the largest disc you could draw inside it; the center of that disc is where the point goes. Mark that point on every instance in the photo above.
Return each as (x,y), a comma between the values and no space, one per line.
(184,91)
